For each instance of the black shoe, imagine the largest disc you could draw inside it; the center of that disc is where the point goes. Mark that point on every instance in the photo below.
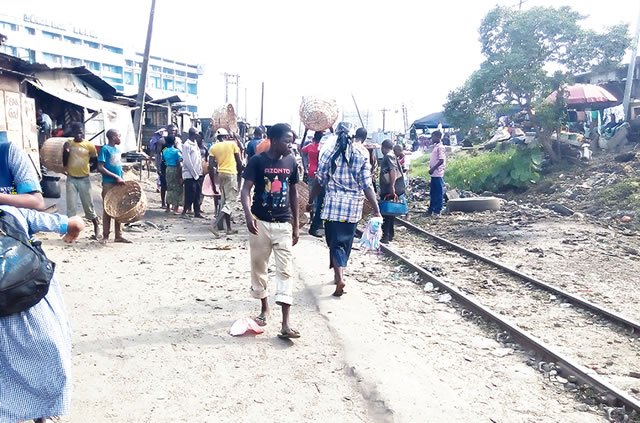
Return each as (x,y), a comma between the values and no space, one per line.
(317,234)
(384,241)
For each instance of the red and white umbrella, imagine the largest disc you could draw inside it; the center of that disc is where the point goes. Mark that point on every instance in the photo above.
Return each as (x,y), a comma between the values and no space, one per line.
(585,95)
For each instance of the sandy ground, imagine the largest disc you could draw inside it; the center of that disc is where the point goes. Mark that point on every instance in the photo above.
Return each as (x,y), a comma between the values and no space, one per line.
(151,340)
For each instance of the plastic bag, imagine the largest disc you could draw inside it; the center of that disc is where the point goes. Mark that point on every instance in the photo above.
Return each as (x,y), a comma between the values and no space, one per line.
(371,235)
(244,325)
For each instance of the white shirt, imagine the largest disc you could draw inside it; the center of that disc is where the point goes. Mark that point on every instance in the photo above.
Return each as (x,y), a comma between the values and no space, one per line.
(192,161)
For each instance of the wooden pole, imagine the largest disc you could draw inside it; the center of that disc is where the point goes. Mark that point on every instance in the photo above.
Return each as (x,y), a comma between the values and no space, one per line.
(357,110)
(630,73)
(137,119)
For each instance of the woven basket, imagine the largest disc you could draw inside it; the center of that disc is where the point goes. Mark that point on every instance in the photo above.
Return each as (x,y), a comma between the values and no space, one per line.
(318,115)
(224,117)
(126,203)
(303,199)
(51,154)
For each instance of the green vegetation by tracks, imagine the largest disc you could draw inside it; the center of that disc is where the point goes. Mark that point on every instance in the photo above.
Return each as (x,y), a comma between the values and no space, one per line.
(511,168)
(624,195)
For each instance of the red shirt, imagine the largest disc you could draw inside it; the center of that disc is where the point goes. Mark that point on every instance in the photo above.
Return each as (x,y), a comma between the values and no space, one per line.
(312,150)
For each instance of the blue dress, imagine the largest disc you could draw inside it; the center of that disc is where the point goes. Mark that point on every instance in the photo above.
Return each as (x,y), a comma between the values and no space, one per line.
(35,345)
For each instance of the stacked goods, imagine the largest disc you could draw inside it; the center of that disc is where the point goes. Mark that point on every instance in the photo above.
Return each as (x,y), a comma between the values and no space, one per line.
(126,203)
(318,115)
(51,154)
(224,117)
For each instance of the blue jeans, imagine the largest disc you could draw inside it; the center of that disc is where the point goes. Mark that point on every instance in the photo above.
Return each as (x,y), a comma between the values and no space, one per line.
(436,195)
(316,223)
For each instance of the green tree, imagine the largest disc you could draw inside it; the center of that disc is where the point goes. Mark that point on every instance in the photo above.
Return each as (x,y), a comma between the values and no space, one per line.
(528,54)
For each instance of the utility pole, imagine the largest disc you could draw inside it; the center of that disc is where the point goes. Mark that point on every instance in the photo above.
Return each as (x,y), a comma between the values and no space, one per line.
(137,118)
(631,72)
(228,78)
(262,106)
(384,117)
(226,88)
(404,118)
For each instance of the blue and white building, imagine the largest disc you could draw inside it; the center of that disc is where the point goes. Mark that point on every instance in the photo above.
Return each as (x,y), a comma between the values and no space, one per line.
(57,44)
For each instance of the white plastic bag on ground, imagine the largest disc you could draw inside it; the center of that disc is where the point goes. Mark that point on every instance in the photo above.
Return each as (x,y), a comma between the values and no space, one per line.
(244,325)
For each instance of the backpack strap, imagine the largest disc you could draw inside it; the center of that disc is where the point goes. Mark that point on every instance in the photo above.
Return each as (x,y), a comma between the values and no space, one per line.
(10,225)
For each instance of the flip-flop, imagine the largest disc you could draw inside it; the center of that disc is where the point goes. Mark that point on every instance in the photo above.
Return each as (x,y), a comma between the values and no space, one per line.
(261,319)
(339,294)
(290,334)
(214,231)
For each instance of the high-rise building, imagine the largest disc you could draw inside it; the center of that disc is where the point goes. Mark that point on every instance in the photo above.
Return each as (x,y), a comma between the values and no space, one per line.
(56,44)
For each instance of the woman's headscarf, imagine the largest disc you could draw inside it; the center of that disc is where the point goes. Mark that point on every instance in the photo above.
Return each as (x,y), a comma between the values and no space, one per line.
(345,133)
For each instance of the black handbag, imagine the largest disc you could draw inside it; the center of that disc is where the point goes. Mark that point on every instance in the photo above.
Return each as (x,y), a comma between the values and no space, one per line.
(25,270)
(399,186)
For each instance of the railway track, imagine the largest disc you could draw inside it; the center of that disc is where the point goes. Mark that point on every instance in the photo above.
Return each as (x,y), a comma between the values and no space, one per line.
(574,340)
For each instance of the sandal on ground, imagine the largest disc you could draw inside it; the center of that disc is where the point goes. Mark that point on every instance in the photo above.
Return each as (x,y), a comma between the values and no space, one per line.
(289,334)
(339,292)
(261,319)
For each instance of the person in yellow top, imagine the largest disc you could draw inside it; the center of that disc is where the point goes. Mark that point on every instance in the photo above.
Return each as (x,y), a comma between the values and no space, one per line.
(225,161)
(77,156)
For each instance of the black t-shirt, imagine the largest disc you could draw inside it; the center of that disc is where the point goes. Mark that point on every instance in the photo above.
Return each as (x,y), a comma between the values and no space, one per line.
(272,179)
(389,163)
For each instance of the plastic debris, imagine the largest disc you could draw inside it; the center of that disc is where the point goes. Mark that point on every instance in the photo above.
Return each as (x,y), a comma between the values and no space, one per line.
(244,325)
(444,298)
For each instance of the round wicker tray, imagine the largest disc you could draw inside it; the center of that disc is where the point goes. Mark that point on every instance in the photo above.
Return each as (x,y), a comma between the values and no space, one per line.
(224,117)
(51,154)
(126,203)
(318,115)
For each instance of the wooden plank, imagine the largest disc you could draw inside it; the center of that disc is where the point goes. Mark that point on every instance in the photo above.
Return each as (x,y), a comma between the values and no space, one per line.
(29,127)
(13,110)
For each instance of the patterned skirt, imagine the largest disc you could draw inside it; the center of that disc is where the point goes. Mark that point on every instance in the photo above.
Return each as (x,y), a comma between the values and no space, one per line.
(35,360)
(174,186)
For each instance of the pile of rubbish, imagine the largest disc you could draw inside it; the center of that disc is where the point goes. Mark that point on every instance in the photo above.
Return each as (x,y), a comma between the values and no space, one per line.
(418,190)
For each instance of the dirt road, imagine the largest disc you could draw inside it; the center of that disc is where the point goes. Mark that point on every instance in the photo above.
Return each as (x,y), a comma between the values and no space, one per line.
(151,340)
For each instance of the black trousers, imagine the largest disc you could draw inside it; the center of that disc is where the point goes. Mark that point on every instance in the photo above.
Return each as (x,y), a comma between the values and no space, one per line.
(388,230)
(192,195)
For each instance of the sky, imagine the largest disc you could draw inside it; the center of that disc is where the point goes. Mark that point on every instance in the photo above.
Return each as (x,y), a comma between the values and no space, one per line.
(384,53)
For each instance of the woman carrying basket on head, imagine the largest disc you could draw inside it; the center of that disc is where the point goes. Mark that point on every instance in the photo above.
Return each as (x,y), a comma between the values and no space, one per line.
(344,172)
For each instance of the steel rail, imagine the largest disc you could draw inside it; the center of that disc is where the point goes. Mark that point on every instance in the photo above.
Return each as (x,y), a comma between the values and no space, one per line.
(569,367)
(572,298)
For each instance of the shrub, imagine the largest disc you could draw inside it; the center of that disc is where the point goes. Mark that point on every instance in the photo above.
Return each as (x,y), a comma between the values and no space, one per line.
(512,168)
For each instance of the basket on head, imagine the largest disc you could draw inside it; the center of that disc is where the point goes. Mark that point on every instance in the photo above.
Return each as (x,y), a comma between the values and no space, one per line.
(318,115)
(51,153)
(303,199)
(224,117)
(126,203)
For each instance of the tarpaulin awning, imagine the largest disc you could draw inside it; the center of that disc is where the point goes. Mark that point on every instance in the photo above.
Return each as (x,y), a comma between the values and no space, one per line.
(68,87)
(431,121)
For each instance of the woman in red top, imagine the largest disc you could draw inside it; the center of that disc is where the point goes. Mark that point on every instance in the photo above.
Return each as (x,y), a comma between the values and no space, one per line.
(312,150)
